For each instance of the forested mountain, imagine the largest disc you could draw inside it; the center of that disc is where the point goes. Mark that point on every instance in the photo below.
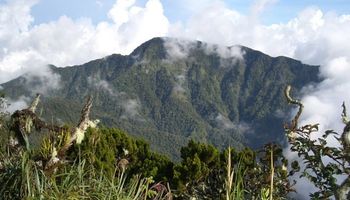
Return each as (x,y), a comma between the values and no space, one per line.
(169,90)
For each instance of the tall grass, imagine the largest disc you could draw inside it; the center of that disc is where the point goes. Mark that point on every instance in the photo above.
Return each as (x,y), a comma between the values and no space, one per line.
(272,170)
(234,179)
(22,178)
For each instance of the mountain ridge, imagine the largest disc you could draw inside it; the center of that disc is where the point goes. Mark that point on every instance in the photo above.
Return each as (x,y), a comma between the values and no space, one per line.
(169,90)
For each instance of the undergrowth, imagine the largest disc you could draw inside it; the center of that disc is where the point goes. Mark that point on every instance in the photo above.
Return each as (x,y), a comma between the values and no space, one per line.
(108,164)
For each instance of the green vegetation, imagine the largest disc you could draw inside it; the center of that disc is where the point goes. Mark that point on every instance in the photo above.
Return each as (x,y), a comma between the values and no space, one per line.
(169,102)
(201,173)
(46,171)
(21,178)
(109,164)
(106,147)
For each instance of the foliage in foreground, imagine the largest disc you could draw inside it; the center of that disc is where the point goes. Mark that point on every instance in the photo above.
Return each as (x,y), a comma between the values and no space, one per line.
(97,167)
(64,166)
(23,179)
(48,170)
(326,166)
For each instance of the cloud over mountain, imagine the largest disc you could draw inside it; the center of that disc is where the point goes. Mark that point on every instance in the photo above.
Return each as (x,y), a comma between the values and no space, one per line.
(66,41)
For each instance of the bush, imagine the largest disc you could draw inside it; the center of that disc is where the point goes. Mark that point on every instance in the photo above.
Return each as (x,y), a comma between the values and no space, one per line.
(45,173)
(106,147)
(323,163)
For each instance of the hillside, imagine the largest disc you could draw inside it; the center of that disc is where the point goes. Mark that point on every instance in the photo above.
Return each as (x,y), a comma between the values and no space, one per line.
(170,90)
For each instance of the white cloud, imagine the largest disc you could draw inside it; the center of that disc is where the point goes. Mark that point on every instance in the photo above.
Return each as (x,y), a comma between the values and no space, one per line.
(131,109)
(14,23)
(16,104)
(130,106)
(178,49)
(213,25)
(122,11)
(179,84)
(234,52)
(136,24)
(336,70)
(42,80)
(100,84)
(226,124)
(69,42)
(15,18)
(313,36)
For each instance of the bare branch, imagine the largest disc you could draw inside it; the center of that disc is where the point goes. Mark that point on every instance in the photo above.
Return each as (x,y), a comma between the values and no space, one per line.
(345,138)
(84,119)
(344,116)
(313,152)
(343,191)
(34,104)
(77,134)
(290,100)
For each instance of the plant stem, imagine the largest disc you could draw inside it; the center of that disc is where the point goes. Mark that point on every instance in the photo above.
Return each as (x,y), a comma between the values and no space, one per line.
(272,173)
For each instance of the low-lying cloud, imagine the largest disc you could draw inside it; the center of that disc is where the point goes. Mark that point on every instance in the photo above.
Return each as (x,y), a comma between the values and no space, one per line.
(100,84)
(13,105)
(42,80)
(130,106)
(179,84)
(131,109)
(225,123)
(178,49)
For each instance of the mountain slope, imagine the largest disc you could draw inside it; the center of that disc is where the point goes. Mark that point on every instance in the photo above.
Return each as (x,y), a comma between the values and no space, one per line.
(170,90)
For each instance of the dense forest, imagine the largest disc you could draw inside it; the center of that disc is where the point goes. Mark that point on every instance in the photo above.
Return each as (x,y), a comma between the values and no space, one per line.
(39,160)
(166,100)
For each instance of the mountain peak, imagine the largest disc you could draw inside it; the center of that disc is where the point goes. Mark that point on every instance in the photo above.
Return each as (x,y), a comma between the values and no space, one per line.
(175,48)
(184,89)
(151,49)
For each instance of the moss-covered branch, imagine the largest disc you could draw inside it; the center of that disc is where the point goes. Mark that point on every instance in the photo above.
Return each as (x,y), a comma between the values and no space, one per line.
(294,124)
(57,139)
(314,153)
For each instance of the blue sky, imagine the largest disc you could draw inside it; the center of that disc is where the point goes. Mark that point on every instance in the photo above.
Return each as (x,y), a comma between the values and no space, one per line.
(96,10)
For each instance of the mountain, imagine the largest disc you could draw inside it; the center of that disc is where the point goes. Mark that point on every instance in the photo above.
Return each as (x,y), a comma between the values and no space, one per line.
(169,90)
